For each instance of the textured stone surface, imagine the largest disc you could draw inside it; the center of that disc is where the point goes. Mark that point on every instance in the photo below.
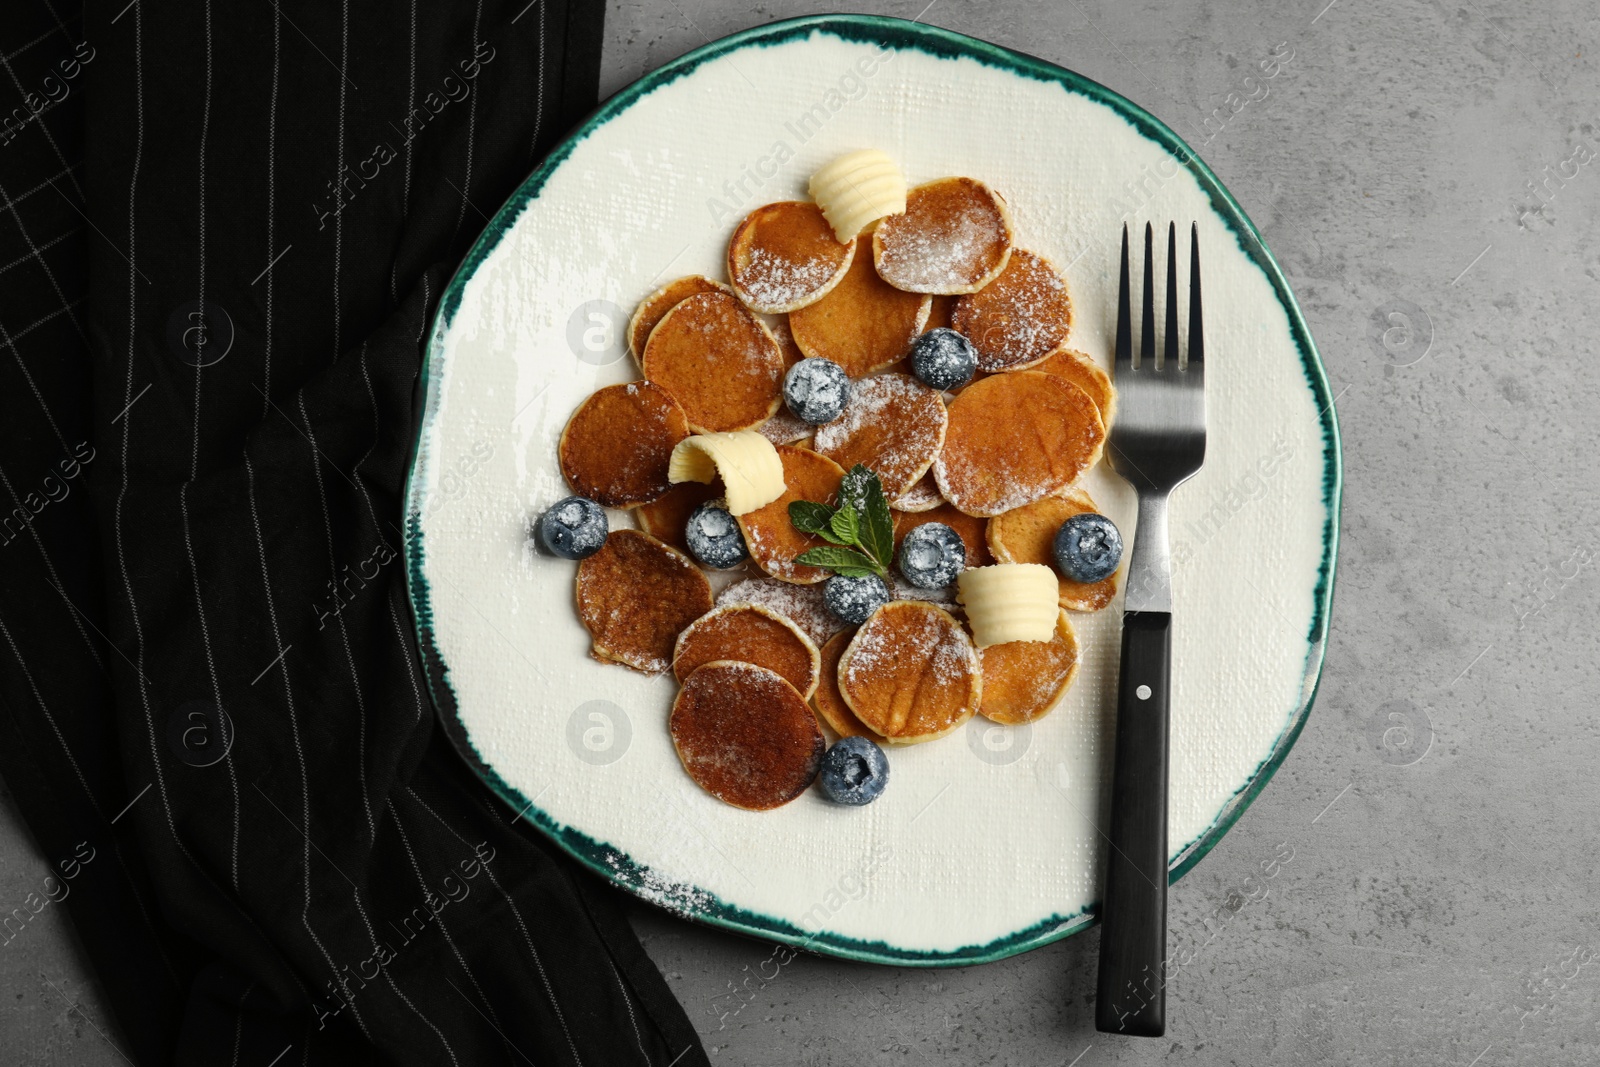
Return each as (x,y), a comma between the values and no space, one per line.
(1441,805)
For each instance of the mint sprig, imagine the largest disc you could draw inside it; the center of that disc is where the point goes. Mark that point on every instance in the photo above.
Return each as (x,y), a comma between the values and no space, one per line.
(859,529)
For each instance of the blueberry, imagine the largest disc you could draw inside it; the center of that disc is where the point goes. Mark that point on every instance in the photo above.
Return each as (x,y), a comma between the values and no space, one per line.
(932,555)
(943,359)
(816,390)
(714,539)
(574,528)
(1088,547)
(855,599)
(854,771)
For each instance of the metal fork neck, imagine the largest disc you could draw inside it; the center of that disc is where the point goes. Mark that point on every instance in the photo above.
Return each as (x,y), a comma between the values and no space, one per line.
(1149,582)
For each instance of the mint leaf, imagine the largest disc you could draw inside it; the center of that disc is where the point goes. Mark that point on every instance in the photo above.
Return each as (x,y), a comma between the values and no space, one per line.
(846,525)
(845,561)
(877,529)
(809,517)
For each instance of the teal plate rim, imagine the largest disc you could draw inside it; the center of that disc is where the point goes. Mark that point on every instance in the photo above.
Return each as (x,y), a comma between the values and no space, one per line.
(687,900)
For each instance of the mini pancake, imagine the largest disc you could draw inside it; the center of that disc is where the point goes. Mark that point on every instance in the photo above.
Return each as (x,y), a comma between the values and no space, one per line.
(745,735)
(749,634)
(635,595)
(665,517)
(800,604)
(615,447)
(718,361)
(1019,319)
(911,673)
(1024,680)
(1028,535)
(653,308)
(784,429)
(970,527)
(1014,438)
(893,425)
(923,496)
(939,313)
(778,326)
(771,537)
(784,256)
(827,700)
(954,237)
(1086,374)
(863,324)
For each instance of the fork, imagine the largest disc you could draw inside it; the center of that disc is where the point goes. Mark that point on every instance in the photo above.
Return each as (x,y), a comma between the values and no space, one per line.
(1157,442)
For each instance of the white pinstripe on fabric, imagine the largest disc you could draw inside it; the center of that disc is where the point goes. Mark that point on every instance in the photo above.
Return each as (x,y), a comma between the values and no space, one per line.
(472,126)
(43,128)
(22,229)
(34,255)
(55,579)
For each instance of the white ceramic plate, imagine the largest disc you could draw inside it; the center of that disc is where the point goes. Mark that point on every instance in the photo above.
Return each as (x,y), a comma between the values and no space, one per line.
(986,842)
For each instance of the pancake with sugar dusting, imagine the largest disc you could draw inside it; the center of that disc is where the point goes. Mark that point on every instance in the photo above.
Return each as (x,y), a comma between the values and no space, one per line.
(1024,680)
(829,702)
(719,362)
(893,425)
(863,324)
(800,604)
(616,446)
(1086,374)
(635,596)
(1014,438)
(784,256)
(970,527)
(653,308)
(911,673)
(1019,319)
(749,634)
(745,735)
(922,496)
(954,237)
(1028,535)
(665,517)
(772,539)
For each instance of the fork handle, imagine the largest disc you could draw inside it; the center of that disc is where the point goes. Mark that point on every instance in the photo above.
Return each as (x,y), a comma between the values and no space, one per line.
(1131,996)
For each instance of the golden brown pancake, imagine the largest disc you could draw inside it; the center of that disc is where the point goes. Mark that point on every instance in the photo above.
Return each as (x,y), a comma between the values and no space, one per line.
(922,496)
(784,256)
(654,307)
(863,324)
(939,313)
(718,361)
(954,237)
(635,595)
(1028,535)
(1014,438)
(1020,318)
(745,735)
(749,634)
(771,537)
(1023,680)
(778,326)
(784,429)
(911,673)
(829,702)
(800,604)
(616,445)
(970,527)
(665,517)
(893,425)
(1083,372)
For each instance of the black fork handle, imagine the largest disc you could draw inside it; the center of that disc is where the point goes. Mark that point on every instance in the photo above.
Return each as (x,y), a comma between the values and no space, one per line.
(1131,995)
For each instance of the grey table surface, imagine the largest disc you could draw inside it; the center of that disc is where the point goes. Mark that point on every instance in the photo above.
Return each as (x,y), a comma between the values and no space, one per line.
(1422,172)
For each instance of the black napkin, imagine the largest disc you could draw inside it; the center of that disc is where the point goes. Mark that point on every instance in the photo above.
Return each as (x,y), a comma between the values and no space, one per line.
(223,232)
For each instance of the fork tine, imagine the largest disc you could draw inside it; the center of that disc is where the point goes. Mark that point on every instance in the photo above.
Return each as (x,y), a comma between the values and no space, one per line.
(1197,337)
(1124,363)
(1169,358)
(1147,320)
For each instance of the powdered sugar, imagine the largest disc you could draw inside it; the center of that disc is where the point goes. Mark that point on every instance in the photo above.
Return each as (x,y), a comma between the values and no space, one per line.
(893,424)
(800,604)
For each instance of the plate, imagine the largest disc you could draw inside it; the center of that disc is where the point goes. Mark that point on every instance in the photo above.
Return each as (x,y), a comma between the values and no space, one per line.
(986,843)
